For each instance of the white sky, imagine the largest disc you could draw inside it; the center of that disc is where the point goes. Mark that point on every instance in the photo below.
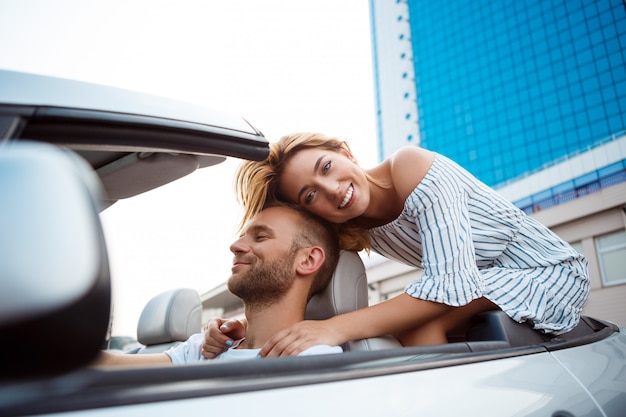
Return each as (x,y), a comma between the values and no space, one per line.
(286,66)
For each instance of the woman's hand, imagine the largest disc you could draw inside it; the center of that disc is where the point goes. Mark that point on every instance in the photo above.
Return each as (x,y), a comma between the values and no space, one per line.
(299,337)
(219,335)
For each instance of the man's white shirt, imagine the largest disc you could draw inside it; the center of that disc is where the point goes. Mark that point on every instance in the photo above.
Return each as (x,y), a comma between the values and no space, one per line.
(189,352)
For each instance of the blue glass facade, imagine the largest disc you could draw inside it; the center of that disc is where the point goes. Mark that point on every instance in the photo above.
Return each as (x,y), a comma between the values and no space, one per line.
(505,87)
(574,188)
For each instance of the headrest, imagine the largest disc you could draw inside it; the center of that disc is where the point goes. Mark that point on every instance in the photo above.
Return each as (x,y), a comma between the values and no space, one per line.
(172,316)
(347,290)
(54,272)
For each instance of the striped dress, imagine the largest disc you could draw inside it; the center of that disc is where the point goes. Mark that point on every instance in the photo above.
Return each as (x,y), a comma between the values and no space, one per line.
(471,243)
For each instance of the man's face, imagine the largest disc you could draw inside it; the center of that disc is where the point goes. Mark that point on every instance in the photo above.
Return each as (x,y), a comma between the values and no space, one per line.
(263,264)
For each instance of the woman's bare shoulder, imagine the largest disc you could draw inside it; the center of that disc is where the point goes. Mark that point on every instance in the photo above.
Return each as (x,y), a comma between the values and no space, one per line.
(411,154)
(408,166)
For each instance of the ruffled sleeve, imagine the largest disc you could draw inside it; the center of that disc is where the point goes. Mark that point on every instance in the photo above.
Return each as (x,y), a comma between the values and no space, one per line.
(450,274)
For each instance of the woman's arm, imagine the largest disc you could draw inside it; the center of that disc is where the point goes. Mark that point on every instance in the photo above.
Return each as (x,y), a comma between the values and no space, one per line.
(108,359)
(389,317)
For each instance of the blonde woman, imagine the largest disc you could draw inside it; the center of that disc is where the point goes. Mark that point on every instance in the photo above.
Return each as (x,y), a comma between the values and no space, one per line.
(478,251)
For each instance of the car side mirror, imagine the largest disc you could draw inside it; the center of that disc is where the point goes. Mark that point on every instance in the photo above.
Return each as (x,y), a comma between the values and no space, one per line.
(55,296)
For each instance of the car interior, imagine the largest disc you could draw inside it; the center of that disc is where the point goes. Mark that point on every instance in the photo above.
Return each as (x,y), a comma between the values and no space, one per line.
(168,319)
(171,317)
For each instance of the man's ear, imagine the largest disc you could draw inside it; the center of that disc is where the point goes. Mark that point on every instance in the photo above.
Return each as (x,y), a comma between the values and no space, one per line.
(310,260)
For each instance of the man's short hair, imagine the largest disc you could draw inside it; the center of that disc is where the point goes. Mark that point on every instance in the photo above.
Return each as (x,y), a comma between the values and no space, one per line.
(315,231)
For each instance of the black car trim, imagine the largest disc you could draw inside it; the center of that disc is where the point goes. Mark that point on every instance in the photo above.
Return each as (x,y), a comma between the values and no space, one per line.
(57,113)
(602,330)
(9,124)
(79,127)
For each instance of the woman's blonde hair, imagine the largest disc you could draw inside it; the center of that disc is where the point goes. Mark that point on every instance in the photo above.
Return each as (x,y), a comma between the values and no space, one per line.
(257,183)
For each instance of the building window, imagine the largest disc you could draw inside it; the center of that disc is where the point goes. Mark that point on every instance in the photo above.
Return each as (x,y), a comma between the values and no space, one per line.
(611,254)
(578,247)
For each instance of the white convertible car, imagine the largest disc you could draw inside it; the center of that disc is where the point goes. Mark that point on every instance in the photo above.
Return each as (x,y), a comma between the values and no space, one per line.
(54,286)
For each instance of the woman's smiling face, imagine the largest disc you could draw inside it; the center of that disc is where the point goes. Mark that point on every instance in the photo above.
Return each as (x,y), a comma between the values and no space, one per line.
(327,183)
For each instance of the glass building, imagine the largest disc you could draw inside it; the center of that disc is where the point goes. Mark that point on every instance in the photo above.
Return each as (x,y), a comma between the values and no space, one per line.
(529,96)
(505,87)
(509,86)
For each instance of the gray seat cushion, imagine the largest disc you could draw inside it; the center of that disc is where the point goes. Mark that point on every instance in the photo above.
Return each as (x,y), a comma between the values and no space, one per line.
(168,319)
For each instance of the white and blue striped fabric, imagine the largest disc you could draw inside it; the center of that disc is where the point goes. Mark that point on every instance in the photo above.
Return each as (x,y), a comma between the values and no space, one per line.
(471,243)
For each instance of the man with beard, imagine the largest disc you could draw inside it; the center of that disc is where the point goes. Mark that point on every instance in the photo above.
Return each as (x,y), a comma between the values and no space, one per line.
(283,257)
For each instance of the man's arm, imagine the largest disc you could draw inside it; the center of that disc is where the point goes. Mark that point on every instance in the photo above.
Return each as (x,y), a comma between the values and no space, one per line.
(108,359)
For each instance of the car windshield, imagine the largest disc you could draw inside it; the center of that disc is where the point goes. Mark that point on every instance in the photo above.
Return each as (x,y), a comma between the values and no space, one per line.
(166,238)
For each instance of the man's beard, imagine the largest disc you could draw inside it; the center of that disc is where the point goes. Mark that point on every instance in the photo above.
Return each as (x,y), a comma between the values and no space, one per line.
(265,284)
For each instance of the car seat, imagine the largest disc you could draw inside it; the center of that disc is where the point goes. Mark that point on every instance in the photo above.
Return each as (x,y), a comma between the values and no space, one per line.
(168,319)
(173,316)
(347,291)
